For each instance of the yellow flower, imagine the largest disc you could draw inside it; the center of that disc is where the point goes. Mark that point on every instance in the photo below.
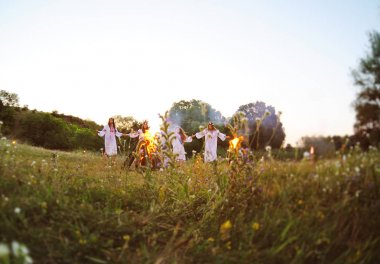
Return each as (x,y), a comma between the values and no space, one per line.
(126,237)
(226,226)
(210,239)
(255,226)
(320,215)
(44,205)
(228,245)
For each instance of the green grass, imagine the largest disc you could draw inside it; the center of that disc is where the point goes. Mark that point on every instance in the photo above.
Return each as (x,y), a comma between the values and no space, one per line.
(80,208)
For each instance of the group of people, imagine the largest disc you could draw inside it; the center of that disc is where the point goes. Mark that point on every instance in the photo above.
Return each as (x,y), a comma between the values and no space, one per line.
(211,135)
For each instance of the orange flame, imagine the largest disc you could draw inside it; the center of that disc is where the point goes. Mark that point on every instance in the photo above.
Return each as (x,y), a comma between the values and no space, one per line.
(311,150)
(235,143)
(150,142)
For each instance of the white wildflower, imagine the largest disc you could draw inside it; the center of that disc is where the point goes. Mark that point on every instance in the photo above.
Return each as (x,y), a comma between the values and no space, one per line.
(4,251)
(17,210)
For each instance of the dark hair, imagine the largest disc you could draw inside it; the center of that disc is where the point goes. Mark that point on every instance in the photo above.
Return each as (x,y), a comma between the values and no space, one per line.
(182,134)
(142,126)
(212,124)
(113,123)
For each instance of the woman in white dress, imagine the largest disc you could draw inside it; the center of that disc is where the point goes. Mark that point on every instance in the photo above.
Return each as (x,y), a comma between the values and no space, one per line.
(211,135)
(179,138)
(110,132)
(141,135)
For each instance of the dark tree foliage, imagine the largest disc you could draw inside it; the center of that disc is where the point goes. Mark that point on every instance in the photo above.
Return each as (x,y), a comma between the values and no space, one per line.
(269,132)
(367,103)
(194,115)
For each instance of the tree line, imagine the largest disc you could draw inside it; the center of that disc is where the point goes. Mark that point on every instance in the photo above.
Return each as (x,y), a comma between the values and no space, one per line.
(59,131)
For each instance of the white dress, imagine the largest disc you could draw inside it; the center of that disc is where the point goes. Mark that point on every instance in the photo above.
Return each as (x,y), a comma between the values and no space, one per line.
(211,142)
(178,147)
(110,139)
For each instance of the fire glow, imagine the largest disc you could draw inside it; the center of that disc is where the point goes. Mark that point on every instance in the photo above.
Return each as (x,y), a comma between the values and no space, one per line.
(150,142)
(235,143)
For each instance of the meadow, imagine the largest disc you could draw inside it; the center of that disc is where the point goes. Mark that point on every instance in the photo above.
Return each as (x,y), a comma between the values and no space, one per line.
(79,207)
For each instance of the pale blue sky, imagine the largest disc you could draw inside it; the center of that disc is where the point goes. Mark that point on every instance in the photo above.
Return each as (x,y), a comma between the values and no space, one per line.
(95,59)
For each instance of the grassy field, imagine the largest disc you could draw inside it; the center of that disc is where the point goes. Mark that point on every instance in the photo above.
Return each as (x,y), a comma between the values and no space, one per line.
(77,207)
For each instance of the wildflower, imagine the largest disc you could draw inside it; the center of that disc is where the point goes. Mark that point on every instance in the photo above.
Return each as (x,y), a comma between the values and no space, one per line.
(226,225)
(3,138)
(268,148)
(14,142)
(255,226)
(210,239)
(4,251)
(228,245)
(19,249)
(33,163)
(1,122)
(126,237)
(320,215)
(17,210)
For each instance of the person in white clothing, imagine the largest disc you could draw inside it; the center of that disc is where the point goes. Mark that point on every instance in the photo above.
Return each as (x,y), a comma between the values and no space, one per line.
(141,135)
(179,138)
(211,135)
(110,132)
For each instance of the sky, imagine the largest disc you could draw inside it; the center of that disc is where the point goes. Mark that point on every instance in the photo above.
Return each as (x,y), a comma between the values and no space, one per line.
(96,59)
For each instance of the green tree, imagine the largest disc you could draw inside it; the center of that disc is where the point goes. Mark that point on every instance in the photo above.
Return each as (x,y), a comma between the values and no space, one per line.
(367,103)
(192,116)
(86,138)
(9,99)
(126,123)
(8,103)
(43,129)
(268,131)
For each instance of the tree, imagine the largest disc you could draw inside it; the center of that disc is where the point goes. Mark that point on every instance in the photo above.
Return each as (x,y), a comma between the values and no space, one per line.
(367,103)
(125,124)
(192,116)
(9,99)
(8,103)
(43,129)
(264,125)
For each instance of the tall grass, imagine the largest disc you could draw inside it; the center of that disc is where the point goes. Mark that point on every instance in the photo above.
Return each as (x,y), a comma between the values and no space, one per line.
(78,207)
